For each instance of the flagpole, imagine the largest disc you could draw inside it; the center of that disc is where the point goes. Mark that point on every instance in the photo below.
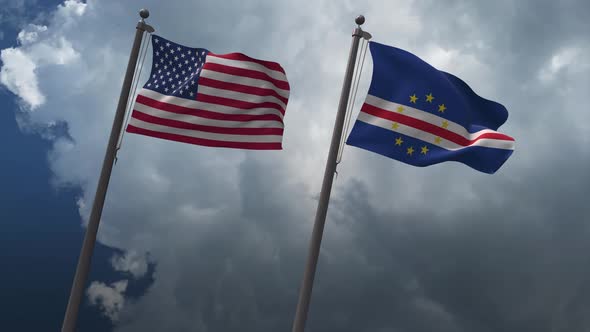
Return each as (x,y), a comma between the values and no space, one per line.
(83,268)
(320,218)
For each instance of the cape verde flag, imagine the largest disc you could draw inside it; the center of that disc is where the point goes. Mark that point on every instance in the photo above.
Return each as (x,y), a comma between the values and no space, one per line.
(220,100)
(421,116)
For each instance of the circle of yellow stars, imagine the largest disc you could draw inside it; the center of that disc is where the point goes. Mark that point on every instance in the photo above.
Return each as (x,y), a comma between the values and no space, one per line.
(437,140)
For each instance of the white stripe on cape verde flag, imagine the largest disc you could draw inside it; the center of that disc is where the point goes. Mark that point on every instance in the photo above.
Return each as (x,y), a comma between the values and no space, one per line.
(205,135)
(430,138)
(424,116)
(277,75)
(199,105)
(195,119)
(243,81)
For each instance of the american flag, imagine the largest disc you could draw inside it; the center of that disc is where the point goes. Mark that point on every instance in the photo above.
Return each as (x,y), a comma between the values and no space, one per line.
(219,100)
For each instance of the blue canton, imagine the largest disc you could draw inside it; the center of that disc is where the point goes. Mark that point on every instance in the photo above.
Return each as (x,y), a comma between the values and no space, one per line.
(175,68)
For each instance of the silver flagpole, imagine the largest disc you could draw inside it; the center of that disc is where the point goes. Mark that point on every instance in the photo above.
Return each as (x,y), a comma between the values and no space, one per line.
(83,267)
(320,217)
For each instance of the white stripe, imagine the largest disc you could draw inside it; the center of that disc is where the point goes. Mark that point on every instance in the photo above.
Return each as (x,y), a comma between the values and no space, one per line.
(424,116)
(205,135)
(199,105)
(204,121)
(243,81)
(428,137)
(207,90)
(277,75)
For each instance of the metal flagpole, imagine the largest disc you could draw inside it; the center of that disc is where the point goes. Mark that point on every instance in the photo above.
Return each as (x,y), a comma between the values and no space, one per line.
(320,218)
(83,267)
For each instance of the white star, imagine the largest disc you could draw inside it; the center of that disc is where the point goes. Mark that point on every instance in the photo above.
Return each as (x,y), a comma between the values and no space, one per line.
(186,61)
(162,77)
(178,48)
(192,82)
(149,84)
(183,72)
(175,58)
(170,62)
(167,44)
(156,40)
(179,82)
(154,76)
(167,73)
(180,65)
(161,48)
(170,79)
(174,69)
(155,81)
(177,76)
(157,86)
(156,65)
(192,58)
(166,89)
(171,51)
(157,53)
(165,67)
(182,55)
(191,94)
(159,71)
(161,60)
(166,55)
(174,87)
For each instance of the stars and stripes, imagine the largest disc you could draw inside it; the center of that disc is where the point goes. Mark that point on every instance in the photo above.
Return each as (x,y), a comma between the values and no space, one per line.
(220,100)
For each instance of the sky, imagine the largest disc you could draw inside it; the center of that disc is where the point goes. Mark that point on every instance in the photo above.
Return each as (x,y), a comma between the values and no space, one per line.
(202,239)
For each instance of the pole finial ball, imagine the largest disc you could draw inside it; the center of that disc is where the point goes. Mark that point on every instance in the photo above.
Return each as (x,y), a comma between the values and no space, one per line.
(360,20)
(144,13)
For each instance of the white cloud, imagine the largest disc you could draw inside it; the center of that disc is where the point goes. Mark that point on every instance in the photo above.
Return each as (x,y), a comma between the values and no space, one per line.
(109,299)
(39,49)
(131,262)
(30,34)
(18,75)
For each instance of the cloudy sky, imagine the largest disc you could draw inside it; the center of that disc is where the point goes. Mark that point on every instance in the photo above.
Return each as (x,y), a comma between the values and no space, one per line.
(202,239)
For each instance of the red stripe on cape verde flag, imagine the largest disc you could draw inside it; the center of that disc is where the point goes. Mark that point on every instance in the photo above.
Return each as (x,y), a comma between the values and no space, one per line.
(424,125)
(223,100)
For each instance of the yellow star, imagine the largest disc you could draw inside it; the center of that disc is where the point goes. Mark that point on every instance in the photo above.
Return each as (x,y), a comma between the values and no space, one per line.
(445,124)
(394,125)
(400,109)
(424,150)
(437,140)
(410,150)
(398,141)
(429,97)
(442,108)
(413,98)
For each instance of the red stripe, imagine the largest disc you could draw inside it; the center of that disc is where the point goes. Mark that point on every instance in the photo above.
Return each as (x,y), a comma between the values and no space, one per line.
(246,73)
(209,129)
(241,88)
(238,103)
(428,127)
(204,113)
(205,142)
(242,57)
